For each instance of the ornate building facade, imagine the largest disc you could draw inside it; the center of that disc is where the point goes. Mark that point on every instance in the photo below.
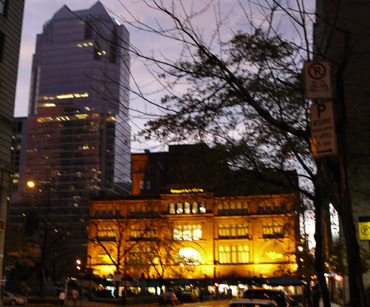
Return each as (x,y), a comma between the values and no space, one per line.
(194,234)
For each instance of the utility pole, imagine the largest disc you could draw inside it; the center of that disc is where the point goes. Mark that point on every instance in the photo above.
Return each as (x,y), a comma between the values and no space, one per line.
(356,286)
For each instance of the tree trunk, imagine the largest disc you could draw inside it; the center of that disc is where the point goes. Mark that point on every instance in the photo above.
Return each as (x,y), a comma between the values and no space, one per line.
(319,262)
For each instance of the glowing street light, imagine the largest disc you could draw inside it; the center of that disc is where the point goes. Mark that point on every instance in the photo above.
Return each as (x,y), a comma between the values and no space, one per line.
(78,262)
(31,184)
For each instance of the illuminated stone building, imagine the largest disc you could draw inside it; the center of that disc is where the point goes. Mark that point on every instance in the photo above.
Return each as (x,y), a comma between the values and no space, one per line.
(210,234)
(244,236)
(78,133)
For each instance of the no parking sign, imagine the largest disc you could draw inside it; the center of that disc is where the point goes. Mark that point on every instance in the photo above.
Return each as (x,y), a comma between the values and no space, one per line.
(317,80)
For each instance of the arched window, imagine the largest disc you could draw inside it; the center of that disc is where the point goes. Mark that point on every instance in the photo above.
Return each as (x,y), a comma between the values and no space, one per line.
(188,256)
(172,208)
(194,209)
(180,209)
(232,206)
(186,208)
(202,207)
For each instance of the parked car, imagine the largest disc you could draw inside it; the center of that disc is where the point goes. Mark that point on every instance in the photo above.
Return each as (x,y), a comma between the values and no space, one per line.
(279,296)
(189,297)
(12,299)
(168,298)
(254,303)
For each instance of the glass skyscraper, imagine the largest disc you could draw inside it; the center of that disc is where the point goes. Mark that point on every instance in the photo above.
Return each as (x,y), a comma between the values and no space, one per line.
(78,132)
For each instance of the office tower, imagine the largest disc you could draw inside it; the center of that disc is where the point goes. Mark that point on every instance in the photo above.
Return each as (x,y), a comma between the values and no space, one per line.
(11,15)
(18,153)
(78,135)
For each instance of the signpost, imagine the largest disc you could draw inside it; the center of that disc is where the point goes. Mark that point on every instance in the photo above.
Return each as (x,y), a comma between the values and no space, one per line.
(323,137)
(317,79)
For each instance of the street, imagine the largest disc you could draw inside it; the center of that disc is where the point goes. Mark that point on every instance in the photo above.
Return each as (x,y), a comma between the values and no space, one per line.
(86,303)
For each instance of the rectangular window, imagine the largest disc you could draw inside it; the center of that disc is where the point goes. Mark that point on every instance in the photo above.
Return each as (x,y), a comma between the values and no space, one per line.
(228,254)
(88,30)
(140,232)
(2,42)
(273,230)
(113,51)
(187,232)
(3,5)
(107,233)
(97,51)
(226,231)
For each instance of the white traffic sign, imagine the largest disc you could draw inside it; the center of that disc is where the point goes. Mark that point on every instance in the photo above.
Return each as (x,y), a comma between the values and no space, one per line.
(317,80)
(323,136)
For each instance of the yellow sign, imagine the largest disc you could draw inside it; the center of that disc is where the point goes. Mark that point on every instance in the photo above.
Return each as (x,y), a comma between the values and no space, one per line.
(364,230)
(274,255)
(191,190)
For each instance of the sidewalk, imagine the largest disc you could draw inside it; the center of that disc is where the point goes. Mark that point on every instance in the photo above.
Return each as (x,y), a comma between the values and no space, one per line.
(87,303)
(100,304)
(332,304)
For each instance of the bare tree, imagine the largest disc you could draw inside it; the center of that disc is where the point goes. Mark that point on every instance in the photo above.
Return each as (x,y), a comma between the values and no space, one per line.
(134,245)
(157,250)
(242,90)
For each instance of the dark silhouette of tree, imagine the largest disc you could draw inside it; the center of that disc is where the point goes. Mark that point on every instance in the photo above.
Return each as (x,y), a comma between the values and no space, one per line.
(134,244)
(157,250)
(244,92)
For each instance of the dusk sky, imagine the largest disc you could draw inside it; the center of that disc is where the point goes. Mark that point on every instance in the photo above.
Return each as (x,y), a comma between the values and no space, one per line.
(38,12)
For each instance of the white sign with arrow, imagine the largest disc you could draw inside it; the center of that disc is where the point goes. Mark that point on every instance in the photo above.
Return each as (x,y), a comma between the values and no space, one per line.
(323,136)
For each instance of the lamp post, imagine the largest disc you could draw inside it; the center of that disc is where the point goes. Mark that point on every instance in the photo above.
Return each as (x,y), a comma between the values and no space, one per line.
(89,275)
(80,275)
(45,230)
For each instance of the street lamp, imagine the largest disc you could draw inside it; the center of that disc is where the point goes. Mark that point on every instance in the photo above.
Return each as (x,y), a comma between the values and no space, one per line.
(32,184)
(78,262)
(89,274)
